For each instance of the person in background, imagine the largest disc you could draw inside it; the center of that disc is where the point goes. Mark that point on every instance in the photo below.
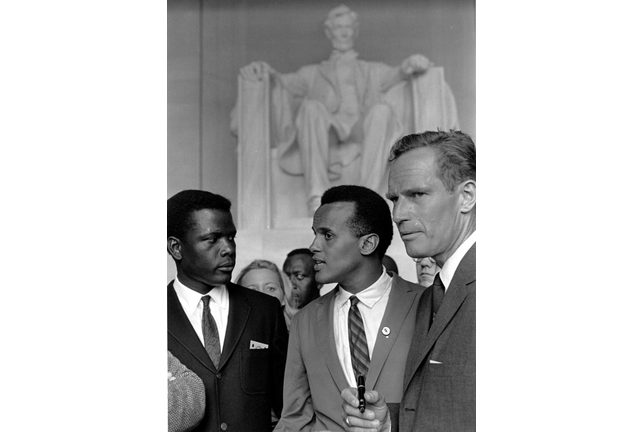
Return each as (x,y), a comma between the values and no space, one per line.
(390,265)
(233,338)
(185,396)
(263,276)
(362,327)
(303,288)
(426,269)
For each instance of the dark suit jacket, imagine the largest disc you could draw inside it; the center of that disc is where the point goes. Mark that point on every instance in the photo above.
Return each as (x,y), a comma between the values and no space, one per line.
(314,376)
(442,397)
(249,382)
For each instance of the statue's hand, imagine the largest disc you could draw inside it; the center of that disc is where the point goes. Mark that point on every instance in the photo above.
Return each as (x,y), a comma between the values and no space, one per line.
(256,70)
(415,64)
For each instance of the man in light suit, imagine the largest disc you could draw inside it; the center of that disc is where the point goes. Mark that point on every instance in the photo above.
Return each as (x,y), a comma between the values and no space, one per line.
(233,338)
(353,229)
(432,184)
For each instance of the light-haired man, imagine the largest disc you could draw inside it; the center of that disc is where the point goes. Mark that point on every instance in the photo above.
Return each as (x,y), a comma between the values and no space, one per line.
(432,185)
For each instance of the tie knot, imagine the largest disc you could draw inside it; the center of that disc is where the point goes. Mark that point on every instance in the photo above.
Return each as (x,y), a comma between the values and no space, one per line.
(354,300)
(437,282)
(206,302)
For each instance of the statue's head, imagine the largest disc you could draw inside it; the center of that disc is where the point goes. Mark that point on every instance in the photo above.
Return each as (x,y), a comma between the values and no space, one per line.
(341,27)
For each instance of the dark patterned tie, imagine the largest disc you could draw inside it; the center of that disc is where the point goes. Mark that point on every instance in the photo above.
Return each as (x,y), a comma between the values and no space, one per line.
(438,294)
(210,333)
(357,340)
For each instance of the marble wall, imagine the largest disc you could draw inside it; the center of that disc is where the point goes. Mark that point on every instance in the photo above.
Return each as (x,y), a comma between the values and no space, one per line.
(208,41)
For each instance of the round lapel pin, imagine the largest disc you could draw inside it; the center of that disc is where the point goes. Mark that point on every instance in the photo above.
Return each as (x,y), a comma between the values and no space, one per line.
(386,331)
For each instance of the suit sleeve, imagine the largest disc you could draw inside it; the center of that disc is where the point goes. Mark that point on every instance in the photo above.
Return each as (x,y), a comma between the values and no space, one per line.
(185,396)
(298,413)
(278,358)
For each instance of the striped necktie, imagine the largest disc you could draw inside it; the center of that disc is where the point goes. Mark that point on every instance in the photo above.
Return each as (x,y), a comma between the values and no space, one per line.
(357,340)
(210,333)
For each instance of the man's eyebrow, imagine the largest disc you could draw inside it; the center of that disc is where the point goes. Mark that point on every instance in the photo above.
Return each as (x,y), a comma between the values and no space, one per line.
(218,233)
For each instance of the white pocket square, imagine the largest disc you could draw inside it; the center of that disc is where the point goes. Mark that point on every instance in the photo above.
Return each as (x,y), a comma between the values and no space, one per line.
(258,345)
(434,362)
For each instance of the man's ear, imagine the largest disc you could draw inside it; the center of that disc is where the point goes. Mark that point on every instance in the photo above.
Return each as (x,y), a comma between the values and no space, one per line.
(368,243)
(174,248)
(468,196)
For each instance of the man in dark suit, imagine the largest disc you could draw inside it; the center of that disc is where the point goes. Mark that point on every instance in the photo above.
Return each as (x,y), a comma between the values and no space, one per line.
(233,338)
(432,184)
(353,229)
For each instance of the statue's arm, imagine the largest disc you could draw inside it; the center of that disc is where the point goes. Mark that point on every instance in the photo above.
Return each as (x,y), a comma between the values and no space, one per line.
(413,65)
(295,83)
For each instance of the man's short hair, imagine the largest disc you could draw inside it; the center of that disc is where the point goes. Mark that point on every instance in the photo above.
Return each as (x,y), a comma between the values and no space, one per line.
(300,251)
(370,216)
(340,11)
(456,154)
(181,206)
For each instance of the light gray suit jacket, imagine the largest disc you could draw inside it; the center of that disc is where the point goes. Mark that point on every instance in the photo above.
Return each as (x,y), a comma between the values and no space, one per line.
(440,377)
(314,376)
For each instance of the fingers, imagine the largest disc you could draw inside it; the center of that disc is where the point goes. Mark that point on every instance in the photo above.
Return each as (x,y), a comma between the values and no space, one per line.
(356,424)
(350,396)
(255,70)
(371,419)
(416,63)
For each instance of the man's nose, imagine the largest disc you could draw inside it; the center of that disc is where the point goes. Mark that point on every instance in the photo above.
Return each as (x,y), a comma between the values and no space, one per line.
(228,248)
(313,246)
(400,211)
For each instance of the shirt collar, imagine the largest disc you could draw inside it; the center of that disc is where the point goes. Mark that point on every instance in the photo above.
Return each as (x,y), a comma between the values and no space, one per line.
(347,55)
(369,296)
(451,265)
(192,298)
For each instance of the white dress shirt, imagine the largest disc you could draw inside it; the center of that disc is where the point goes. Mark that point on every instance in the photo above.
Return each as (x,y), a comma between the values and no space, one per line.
(193,306)
(451,265)
(372,305)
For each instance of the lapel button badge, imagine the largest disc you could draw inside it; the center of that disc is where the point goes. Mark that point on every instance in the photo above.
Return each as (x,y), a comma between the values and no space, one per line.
(386,331)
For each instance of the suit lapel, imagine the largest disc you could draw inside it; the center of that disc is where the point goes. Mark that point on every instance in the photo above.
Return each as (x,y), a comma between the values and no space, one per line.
(399,304)
(326,338)
(180,328)
(237,319)
(424,341)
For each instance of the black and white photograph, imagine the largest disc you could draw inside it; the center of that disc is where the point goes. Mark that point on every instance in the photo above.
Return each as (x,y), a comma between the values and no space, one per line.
(313,165)
(294,157)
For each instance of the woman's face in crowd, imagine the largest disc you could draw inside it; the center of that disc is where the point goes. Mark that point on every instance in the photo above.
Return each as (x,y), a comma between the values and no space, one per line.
(265,281)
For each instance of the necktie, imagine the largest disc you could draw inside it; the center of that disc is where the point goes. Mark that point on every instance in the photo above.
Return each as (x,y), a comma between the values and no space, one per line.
(210,333)
(438,294)
(357,340)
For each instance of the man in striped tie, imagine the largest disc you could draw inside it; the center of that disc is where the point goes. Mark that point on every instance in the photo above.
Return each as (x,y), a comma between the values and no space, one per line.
(363,327)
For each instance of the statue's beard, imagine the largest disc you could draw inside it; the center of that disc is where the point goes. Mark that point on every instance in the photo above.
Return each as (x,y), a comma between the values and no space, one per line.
(343,45)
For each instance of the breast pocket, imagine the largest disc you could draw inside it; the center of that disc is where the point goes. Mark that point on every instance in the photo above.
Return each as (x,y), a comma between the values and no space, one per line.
(255,371)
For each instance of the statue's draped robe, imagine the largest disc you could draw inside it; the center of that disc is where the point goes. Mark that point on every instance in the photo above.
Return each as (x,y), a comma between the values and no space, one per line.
(424,102)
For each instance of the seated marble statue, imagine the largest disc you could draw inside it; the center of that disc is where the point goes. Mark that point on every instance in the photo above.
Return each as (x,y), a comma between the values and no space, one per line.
(329,115)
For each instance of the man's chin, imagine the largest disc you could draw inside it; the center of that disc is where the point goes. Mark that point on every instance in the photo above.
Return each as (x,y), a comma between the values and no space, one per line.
(320,279)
